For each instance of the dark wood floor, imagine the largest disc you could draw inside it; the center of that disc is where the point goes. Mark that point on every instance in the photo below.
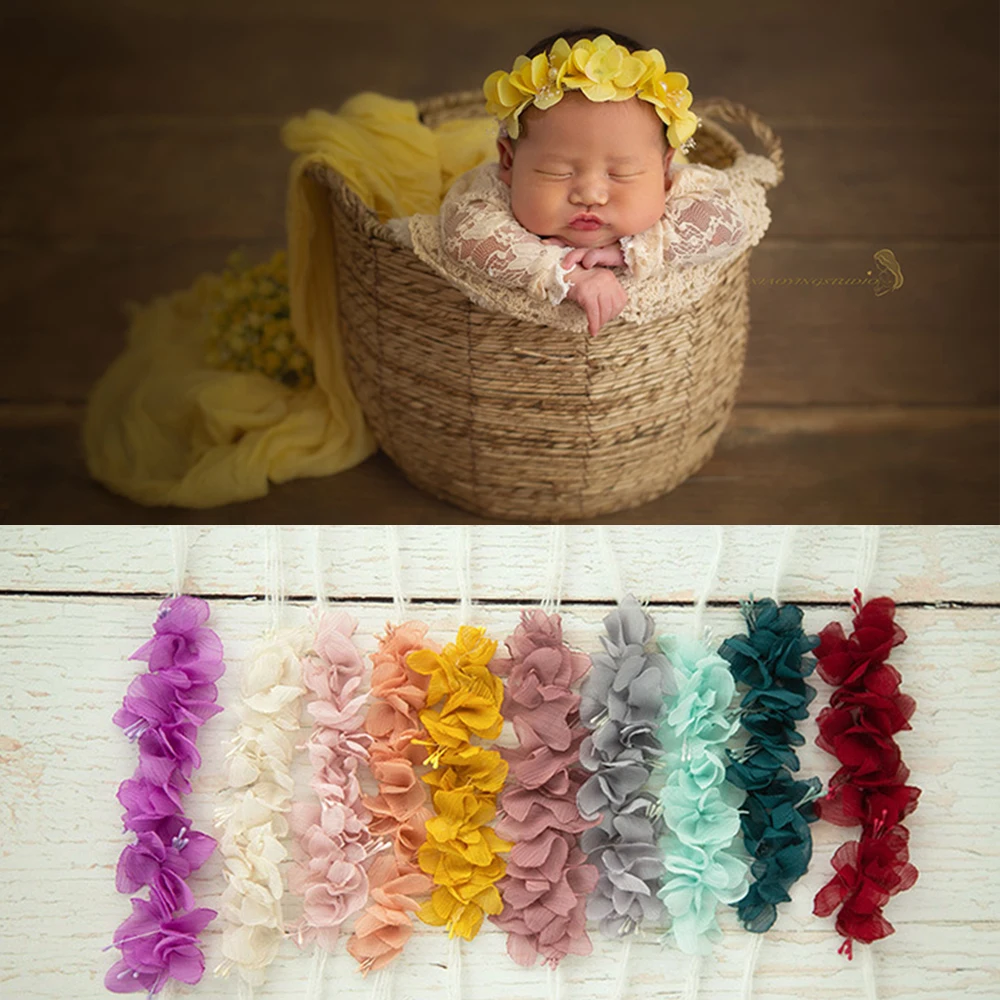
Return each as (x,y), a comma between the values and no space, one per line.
(141,145)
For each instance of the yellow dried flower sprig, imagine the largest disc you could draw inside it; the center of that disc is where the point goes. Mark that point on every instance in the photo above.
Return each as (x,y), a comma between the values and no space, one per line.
(252,329)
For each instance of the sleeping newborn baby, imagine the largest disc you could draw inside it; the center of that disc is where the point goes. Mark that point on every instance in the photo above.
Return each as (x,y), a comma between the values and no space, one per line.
(586,184)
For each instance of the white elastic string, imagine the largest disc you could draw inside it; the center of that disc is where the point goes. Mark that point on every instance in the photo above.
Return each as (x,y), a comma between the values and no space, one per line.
(612,563)
(693,982)
(244,990)
(274,582)
(318,584)
(382,989)
(311,986)
(179,543)
(753,954)
(556,567)
(699,608)
(867,552)
(780,563)
(315,988)
(455,969)
(464,557)
(868,970)
(395,570)
(553,981)
(622,982)
(383,982)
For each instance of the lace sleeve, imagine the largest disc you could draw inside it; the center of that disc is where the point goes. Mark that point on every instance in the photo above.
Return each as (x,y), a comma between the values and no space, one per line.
(479,231)
(700,224)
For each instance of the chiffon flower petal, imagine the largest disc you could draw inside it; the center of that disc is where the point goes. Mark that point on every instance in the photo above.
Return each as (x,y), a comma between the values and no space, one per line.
(866,710)
(623,703)
(700,808)
(545,889)
(253,814)
(335,844)
(161,712)
(400,808)
(461,853)
(769,659)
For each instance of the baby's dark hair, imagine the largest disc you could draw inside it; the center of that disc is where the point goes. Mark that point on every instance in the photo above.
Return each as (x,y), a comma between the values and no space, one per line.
(573,35)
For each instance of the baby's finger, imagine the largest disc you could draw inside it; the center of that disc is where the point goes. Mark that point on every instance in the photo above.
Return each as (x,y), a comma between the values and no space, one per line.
(596,257)
(605,311)
(594,317)
(574,257)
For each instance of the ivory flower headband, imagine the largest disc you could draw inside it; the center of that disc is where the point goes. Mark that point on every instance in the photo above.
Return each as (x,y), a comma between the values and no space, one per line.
(603,71)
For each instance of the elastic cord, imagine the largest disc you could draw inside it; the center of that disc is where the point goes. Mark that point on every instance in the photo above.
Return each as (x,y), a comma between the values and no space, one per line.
(274,577)
(556,568)
(464,557)
(395,570)
(552,977)
(611,560)
(622,982)
(319,585)
(693,982)
(753,956)
(455,969)
(782,561)
(867,970)
(699,608)
(382,989)
(179,543)
(867,553)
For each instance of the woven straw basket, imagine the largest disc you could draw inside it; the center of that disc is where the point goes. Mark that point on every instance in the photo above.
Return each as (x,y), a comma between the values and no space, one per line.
(516,421)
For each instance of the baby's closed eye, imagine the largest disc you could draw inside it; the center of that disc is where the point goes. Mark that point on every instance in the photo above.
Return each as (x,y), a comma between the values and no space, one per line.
(614,175)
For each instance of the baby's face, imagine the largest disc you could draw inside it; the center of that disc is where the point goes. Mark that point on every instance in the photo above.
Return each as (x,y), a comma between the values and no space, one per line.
(581,157)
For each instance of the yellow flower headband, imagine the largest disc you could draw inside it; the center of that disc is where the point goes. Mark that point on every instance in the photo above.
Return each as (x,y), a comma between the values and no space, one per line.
(603,71)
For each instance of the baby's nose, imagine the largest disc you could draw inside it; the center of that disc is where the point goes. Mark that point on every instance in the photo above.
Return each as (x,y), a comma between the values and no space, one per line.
(590,191)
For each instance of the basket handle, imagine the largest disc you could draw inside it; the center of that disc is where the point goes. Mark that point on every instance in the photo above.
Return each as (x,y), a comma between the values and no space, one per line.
(739,114)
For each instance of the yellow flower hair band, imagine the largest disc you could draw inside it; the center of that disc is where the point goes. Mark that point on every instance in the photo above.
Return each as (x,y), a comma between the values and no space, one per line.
(603,71)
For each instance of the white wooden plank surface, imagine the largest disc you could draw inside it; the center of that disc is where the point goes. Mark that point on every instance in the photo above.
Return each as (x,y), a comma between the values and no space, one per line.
(661,562)
(75,610)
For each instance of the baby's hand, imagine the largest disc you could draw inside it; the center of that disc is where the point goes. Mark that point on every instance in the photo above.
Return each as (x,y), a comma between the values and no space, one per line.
(600,295)
(609,256)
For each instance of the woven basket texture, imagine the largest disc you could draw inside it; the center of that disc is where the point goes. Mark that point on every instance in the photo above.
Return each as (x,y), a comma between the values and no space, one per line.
(521,422)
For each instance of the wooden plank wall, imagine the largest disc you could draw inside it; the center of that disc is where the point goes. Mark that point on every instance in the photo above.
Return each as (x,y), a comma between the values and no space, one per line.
(142,145)
(77,601)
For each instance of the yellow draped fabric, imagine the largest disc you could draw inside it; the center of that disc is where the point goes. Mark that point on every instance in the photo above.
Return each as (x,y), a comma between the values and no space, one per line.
(162,427)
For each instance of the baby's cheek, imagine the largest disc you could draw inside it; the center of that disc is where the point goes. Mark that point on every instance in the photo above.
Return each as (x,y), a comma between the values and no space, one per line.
(532,208)
(645,208)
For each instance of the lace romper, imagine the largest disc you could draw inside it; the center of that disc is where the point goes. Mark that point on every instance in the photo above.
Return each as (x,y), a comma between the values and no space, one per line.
(710,216)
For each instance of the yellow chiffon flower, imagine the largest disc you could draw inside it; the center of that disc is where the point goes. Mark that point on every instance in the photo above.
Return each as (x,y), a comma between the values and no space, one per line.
(468,767)
(448,668)
(603,71)
(460,852)
(464,918)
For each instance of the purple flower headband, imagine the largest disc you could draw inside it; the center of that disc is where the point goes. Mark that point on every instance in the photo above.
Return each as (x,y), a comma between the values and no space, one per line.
(162,711)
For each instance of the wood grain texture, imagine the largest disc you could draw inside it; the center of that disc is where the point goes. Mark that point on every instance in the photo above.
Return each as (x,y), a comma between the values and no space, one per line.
(914,465)
(146,147)
(662,563)
(84,604)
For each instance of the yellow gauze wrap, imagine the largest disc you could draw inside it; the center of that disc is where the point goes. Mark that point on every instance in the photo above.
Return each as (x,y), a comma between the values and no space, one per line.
(162,427)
